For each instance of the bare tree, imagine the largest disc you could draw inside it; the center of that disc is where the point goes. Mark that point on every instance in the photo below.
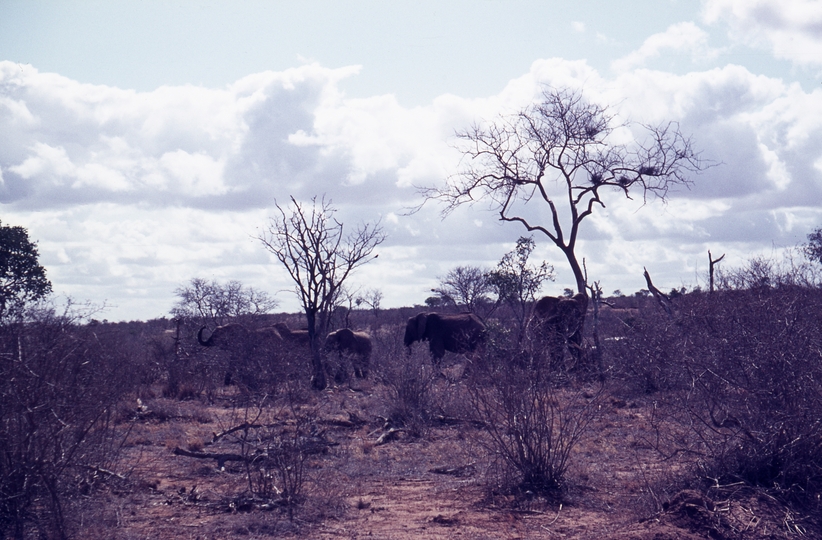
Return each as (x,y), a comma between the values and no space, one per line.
(319,257)
(466,286)
(711,265)
(217,302)
(560,151)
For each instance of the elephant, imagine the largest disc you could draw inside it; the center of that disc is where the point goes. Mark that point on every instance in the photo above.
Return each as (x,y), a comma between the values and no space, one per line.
(239,339)
(297,337)
(357,345)
(559,323)
(458,333)
(229,335)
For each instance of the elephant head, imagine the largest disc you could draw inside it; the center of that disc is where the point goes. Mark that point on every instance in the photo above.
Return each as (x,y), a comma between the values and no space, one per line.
(458,333)
(415,329)
(225,336)
(356,345)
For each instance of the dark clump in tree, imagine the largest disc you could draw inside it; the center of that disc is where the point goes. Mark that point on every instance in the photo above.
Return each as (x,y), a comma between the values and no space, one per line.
(319,257)
(22,278)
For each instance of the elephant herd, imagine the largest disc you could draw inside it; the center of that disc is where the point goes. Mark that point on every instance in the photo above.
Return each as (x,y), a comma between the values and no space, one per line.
(556,322)
(234,336)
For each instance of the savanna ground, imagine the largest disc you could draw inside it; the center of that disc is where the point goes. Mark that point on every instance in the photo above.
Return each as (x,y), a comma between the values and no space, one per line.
(434,486)
(699,425)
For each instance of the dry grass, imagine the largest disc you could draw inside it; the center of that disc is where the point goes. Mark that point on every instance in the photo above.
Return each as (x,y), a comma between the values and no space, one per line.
(443,485)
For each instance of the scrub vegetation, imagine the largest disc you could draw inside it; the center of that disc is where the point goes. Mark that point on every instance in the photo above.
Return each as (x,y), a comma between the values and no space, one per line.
(704,422)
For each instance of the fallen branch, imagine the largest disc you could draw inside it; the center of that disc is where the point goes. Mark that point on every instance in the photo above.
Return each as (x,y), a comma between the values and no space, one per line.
(245,425)
(220,458)
(106,472)
(388,436)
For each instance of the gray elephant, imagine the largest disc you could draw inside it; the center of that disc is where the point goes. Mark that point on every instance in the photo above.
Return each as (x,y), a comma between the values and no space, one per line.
(241,341)
(355,345)
(297,337)
(558,322)
(458,333)
(232,334)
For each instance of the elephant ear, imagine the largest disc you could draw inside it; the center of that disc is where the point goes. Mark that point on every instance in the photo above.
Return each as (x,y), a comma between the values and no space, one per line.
(422,322)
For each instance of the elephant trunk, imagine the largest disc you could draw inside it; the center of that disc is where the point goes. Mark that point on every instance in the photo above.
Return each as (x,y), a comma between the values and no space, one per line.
(409,336)
(205,343)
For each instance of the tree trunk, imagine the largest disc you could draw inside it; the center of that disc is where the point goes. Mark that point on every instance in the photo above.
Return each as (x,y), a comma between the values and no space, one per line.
(318,381)
(575,340)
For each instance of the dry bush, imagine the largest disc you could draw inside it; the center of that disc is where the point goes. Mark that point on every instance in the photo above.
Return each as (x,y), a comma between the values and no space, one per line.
(409,377)
(59,383)
(272,438)
(741,369)
(755,359)
(532,417)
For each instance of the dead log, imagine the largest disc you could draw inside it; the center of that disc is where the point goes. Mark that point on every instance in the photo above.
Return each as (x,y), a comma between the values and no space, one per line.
(388,436)
(220,458)
(245,425)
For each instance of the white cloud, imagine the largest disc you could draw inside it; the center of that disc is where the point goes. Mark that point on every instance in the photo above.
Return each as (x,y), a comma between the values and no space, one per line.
(792,30)
(681,38)
(71,142)
(131,194)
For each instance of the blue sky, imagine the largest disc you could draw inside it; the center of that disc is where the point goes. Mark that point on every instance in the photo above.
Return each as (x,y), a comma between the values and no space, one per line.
(144,143)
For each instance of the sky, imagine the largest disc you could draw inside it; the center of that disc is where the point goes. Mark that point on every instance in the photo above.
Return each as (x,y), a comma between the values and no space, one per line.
(144,144)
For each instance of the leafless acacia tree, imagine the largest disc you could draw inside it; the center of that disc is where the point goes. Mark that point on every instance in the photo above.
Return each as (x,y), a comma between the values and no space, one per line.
(319,257)
(465,286)
(218,303)
(561,151)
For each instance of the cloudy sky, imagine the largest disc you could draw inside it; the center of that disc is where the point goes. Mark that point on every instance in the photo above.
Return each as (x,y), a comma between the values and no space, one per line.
(145,143)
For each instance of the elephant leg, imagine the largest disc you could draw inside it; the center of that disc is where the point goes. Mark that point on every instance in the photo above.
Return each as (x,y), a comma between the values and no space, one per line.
(360,367)
(437,348)
(556,346)
(339,369)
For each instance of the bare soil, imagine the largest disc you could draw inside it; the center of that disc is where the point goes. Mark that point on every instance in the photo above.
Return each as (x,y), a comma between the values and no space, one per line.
(437,484)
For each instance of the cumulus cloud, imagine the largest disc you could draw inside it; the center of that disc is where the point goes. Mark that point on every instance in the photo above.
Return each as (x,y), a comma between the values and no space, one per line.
(681,39)
(133,193)
(791,30)
(69,143)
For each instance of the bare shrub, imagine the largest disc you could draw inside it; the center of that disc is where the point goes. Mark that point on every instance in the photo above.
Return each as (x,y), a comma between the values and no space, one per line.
(755,359)
(276,458)
(644,353)
(742,370)
(59,382)
(532,418)
(409,377)
(270,441)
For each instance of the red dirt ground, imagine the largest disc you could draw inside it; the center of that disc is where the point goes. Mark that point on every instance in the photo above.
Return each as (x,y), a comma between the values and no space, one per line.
(398,490)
